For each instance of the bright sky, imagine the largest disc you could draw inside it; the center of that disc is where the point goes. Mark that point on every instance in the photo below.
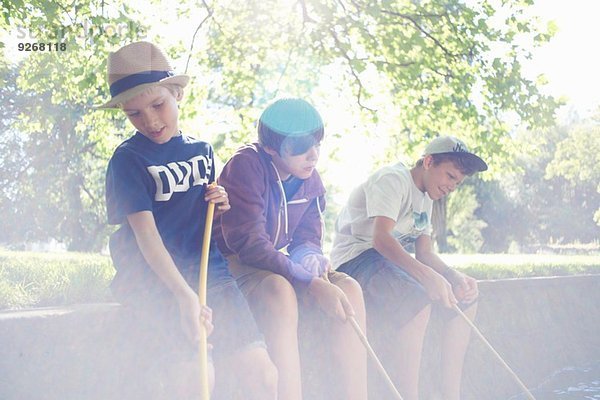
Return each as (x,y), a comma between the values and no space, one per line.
(571,60)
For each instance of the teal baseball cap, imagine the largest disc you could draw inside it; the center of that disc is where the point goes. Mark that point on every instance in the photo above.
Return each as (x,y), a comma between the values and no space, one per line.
(291,117)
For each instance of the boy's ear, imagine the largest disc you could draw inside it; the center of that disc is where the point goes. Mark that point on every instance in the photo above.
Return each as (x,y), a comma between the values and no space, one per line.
(427,161)
(270,151)
(179,94)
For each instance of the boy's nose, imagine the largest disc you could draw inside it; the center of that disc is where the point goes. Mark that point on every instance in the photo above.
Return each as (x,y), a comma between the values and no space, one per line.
(150,120)
(313,154)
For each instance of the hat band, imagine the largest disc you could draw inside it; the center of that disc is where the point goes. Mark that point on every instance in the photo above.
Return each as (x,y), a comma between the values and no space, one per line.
(133,80)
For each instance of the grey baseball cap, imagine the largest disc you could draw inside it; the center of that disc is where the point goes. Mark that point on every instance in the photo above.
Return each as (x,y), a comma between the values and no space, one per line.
(453,145)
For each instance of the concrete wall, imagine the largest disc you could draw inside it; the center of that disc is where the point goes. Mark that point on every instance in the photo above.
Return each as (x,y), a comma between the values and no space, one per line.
(60,353)
(538,325)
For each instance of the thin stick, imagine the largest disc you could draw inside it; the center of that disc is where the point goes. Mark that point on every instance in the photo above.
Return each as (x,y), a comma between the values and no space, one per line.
(371,352)
(489,346)
(204,385)
(365,342)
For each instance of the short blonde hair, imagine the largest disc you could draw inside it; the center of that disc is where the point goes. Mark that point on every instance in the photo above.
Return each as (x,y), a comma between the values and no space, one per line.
(174,89)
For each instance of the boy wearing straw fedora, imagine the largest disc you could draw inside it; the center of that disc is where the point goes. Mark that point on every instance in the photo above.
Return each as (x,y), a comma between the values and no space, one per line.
(384,215)
(156,190)
(272,240)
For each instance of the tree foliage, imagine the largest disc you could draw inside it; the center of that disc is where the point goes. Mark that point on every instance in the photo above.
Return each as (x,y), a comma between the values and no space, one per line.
(59,149)
(446,66)
(577,160)
(464,225)
(429,67)
(553,196)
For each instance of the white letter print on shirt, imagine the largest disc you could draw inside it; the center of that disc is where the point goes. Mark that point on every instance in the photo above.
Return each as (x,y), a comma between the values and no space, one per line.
(176,176)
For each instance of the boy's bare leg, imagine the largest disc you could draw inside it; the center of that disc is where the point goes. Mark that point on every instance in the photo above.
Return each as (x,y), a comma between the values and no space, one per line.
(182,380)
(407,350)
(349,355)
(211,377)
(454,347)
(275,309)
(255,373)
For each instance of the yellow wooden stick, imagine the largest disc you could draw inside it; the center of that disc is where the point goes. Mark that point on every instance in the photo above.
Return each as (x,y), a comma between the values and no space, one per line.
(489,346)
(204,385)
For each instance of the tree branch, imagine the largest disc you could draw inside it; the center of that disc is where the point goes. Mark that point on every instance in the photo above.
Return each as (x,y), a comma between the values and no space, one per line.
(287,63)
(342,5)
(422,30)
(88,192)
(208,15)
(353,72)
(305,16)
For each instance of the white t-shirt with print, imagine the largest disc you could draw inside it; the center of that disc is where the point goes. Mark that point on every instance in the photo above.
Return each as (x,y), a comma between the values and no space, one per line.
(389,192)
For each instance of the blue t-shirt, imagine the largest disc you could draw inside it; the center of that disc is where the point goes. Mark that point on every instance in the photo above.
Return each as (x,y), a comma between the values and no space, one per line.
(167,179)
(291,186)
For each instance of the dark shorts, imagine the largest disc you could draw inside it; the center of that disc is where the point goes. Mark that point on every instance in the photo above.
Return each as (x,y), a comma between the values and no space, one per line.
(392,296)
(154,317)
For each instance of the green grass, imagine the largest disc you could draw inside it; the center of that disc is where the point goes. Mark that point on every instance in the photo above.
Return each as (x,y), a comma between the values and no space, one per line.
(54,279)
(500,266)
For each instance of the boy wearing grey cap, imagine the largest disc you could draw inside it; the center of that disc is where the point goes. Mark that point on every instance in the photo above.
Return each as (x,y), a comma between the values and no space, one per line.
(389,211)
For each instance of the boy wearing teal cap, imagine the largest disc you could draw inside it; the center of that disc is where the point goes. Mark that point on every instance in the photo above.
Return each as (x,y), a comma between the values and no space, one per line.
(277,200)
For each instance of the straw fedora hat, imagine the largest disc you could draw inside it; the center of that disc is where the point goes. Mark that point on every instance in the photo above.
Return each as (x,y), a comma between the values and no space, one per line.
(134,68)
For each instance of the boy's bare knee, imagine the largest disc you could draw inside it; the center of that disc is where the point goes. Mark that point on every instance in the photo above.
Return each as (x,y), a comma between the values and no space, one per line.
(423,316)
(352,289)
(277,297)
(471,309)
(181,380)
(267,376)
(257,374)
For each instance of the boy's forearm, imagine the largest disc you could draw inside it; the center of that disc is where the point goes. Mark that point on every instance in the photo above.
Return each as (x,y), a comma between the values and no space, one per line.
(164,267)
(425,254)
(434,261)
(391,249)
(156,254)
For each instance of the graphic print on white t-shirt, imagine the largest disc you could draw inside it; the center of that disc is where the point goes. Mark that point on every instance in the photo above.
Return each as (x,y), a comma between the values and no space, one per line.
(421,206)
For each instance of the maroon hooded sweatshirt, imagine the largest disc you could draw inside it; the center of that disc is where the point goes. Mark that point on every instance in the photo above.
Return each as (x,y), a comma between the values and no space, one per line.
(261,222)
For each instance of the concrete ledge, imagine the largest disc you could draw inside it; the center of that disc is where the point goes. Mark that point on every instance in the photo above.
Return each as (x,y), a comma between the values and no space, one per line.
(59,353)
(538,325)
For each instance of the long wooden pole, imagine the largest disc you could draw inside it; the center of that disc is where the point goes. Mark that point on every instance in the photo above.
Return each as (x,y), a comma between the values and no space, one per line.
(491,348)
(370,351)
(204,384)
(374,357)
